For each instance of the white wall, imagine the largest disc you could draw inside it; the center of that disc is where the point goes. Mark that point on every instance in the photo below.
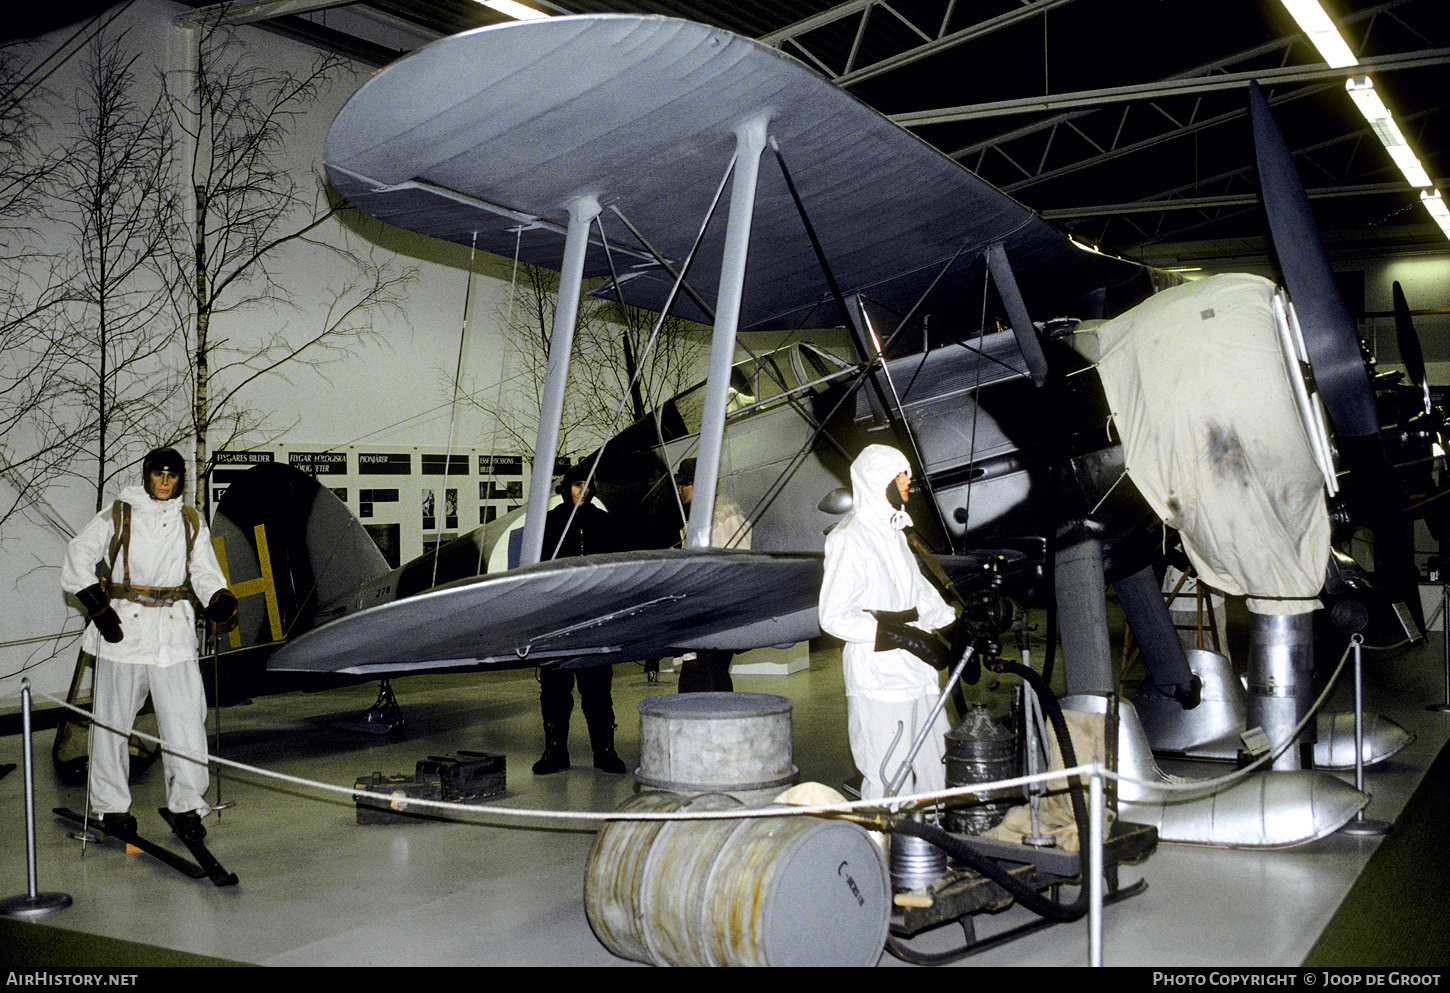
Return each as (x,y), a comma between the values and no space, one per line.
(392,391)
(1425,280)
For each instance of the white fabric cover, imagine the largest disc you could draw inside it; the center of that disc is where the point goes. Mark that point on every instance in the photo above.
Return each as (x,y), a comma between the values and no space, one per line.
(1198,387)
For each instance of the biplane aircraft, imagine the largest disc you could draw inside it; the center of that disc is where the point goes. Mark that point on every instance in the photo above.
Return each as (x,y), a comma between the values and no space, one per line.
(703,174)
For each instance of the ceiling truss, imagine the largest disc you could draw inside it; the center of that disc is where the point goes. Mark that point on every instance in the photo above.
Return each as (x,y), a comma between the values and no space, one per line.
(1132,165)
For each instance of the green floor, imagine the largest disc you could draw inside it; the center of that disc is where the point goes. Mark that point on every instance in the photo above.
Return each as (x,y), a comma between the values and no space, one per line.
(1397,914)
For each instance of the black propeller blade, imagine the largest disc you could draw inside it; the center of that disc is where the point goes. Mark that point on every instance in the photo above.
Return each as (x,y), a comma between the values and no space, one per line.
(1329,331)
(1332,340)
(1424,431)
(1408,341)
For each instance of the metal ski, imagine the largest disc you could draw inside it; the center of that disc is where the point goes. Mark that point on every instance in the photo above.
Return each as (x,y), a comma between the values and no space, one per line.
(209,865)
(182,865)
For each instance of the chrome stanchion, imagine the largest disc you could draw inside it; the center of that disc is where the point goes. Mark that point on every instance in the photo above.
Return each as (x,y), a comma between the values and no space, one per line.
(1361,826)
(1444,708)
(1036,734)
(1096,814)
(214,641)
(32,903)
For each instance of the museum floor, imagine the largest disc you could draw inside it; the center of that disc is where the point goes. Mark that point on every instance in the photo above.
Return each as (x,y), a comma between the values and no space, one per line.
(319,889)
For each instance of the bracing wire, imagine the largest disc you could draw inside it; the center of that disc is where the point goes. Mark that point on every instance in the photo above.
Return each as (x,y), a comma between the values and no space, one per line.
(654,333)
(508,322)
(440,512)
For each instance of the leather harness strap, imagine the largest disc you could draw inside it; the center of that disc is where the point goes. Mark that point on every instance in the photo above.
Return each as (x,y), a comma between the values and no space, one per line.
(147,596)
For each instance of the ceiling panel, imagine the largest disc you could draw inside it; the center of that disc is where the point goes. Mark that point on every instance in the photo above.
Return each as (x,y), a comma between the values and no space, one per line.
(1123,121)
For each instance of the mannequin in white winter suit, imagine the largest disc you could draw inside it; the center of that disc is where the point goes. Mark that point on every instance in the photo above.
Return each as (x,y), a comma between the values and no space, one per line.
(869,566)
(156,651)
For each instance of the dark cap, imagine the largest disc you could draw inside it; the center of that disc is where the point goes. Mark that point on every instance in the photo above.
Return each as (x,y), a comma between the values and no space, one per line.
(164,460)
(574,474)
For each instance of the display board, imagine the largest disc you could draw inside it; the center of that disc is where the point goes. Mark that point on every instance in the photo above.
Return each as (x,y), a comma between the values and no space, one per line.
(409,499)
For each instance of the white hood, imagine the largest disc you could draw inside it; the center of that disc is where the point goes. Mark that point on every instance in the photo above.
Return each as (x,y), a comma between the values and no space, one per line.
(871,473)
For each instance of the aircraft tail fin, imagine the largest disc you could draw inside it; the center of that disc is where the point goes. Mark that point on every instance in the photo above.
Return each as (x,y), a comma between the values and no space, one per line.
(291,551)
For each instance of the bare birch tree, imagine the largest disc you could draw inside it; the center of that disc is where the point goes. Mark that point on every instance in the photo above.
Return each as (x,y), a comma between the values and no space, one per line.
(36,439)
(619,370)
(118,203)
(251,218)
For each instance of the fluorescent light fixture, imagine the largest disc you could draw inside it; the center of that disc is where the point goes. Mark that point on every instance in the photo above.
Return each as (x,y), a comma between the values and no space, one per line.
(1435,204)
(1321,32)
(517,11)
(1361,90)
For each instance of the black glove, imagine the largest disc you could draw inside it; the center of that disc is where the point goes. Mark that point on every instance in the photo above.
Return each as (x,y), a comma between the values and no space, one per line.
(925,645)
(222,611)
(962,641)
(101,613)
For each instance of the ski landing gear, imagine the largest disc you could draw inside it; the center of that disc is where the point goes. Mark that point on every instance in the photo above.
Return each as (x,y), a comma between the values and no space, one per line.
(384,716)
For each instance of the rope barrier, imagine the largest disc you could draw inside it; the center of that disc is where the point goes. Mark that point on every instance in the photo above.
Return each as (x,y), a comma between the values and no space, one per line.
(847,807)
(909,801)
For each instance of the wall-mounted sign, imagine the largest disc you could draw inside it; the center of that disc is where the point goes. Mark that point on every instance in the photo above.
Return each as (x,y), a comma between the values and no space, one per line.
(319,463)
(384,464)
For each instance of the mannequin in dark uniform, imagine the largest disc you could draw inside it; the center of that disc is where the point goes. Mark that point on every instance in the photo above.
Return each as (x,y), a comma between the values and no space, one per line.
(708,670)
(588,531)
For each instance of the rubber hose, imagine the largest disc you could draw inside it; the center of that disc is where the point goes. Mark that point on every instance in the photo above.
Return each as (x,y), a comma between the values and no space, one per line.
(1064,740)
(1024,894)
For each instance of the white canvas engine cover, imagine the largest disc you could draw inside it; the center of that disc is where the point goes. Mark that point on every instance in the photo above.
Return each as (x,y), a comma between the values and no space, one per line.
(1200,391)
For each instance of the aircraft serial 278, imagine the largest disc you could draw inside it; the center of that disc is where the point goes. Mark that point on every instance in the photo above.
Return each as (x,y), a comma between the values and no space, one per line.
(581,144)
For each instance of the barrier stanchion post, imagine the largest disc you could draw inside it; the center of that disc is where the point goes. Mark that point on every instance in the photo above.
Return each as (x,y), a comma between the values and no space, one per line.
(1360,826)
(32,903)
(1444,708)
(1094,881)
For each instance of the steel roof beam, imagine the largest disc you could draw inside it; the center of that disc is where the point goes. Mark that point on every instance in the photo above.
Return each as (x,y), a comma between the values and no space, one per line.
(1169,87)
(863,8)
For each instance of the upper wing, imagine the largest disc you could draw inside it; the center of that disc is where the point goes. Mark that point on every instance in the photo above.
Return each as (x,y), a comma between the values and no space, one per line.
(624,606)
(485,138)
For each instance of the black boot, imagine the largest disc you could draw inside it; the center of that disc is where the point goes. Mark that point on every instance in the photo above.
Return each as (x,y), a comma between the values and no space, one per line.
(598,703)
(556,750)
(605,758)
(188,825)
(118,824)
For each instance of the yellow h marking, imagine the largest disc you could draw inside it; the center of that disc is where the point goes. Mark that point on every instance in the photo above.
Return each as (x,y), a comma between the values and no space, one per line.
(263,584)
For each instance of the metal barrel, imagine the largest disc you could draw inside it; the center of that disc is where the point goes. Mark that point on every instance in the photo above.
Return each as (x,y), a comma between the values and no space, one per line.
(915,862)
(980,750)
(614,872)
(736,743)
(674,889)
(772,891)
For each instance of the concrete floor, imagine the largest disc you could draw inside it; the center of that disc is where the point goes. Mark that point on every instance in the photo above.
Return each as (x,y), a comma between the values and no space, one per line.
(318,889)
